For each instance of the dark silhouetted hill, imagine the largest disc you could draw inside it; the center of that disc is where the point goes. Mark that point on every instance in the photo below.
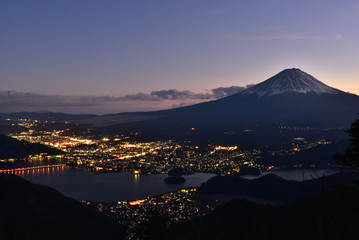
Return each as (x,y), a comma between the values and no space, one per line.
(321,156)
(272,188)
(29,211)
(13,148)
(334,215)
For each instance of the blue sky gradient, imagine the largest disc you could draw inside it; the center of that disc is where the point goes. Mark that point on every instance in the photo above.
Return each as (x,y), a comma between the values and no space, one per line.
(116,48)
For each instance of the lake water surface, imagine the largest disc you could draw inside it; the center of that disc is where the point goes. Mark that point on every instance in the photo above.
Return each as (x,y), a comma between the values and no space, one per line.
(107,187)
(112,187)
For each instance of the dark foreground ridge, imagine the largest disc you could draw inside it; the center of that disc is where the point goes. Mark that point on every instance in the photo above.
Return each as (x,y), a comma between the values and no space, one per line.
(332,216)
(30,211)
(274,189)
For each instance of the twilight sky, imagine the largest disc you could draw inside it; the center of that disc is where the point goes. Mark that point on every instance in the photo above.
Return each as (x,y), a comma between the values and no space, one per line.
(113,50)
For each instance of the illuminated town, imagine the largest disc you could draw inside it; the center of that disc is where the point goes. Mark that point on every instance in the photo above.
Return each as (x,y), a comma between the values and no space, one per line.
(181,205)
(120,154)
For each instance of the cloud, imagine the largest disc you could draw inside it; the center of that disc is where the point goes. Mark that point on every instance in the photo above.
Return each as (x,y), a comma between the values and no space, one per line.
(11,101)
(222,92)
(160,95)
(12,98)
(182,104)
(284,36)
(173,94)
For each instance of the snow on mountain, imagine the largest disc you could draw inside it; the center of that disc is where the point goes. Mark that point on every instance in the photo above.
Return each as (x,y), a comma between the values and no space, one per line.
(290,80)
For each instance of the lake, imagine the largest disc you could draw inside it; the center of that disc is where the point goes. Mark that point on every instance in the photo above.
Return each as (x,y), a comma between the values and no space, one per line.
(107,187)
(122,186)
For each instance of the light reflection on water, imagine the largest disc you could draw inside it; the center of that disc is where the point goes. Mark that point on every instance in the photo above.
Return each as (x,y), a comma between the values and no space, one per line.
(113,186)
(107,187)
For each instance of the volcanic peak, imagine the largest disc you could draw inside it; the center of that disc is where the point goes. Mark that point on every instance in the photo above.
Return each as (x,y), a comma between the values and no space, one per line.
(290,80)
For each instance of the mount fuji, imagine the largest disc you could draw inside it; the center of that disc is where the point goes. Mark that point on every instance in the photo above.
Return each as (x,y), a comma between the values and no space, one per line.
(290,80)
(291,98)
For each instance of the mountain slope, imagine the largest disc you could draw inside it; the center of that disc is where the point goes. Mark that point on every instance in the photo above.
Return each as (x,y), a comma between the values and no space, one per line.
(291,95)
(290,98)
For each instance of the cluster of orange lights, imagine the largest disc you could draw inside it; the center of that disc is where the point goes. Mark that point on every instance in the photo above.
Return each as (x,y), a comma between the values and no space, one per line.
(226,148)
(72,142)
(137,202)
(30,168)
(270,168)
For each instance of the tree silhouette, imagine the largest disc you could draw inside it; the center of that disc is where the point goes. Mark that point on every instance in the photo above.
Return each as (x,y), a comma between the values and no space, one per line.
(350,157)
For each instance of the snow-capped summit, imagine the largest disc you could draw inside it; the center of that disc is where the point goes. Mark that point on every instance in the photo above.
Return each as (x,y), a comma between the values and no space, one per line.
(290,80)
